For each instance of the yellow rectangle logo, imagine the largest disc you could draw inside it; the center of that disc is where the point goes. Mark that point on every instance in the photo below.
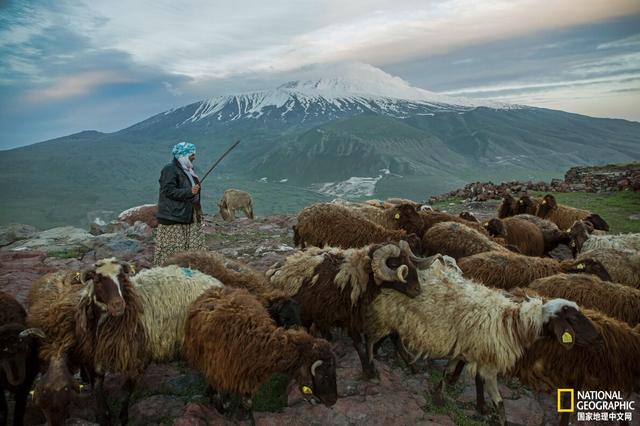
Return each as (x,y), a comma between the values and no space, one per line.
(571,407)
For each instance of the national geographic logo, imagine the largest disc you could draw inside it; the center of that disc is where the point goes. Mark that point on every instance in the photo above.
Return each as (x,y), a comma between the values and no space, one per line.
(595,405)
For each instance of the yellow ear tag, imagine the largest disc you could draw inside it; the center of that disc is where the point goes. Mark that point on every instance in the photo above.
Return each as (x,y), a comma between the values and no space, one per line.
(521,202)
(573,243)
(580,266)
(81,387)
(307,390)
(544,201)
(133,269)
(77,276)
(33,394)
(397,216)
(566,337)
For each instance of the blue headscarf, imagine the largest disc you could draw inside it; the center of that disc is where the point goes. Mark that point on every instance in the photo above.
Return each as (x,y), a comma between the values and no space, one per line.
(183,149)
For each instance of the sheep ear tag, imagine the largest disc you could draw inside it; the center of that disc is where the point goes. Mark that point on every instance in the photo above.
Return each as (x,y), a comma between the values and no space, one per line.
(307,390)
(580,266)
(573,243)
(397,216)
(567,337)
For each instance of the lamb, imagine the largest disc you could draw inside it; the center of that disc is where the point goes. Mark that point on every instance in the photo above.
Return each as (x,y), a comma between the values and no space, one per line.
(456,318)
(524,235)
(457,240)
(615,300)
(284,310)
(233,199)
(545,366)
(334,286)
(565,216)
(431,218)
(56,389)
(336,225)
(582,241)
(231,339)
(508,207)
(96,317)
(622,265)
(506,270)
(18,357)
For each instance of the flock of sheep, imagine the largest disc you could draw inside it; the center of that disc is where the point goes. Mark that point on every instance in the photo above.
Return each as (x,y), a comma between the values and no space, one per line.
(483,295)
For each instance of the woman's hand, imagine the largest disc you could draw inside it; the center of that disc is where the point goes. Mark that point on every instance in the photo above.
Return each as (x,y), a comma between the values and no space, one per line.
(195,189)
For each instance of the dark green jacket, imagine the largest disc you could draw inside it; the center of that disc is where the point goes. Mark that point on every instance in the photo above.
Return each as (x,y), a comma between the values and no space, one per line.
(175,200)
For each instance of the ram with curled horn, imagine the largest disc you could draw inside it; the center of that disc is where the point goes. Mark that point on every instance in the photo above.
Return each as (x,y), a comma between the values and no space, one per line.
(347,280)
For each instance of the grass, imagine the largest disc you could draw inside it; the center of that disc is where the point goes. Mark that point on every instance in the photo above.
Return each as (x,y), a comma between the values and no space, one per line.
(615,207)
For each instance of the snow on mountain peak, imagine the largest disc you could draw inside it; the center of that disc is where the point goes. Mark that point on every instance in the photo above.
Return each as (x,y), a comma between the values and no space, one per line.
(337,87)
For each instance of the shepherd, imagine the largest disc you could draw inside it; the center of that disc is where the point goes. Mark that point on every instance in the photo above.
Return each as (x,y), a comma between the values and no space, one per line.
(179,208)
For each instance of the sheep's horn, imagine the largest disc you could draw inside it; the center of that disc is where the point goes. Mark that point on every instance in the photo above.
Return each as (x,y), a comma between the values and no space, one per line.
(33,332)
(402,272)
(315,365)
(420,262)
(379,262)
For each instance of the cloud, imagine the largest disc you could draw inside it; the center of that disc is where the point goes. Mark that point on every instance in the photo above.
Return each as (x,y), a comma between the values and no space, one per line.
(632,41)
(205,40)
(172,89)
(75,85)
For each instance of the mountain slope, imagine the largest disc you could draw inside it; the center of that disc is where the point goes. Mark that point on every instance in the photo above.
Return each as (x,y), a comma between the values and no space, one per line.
(344,131)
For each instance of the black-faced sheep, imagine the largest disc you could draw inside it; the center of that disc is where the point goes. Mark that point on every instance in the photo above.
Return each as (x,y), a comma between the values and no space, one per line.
(56,389)
(565,216)
(234,199)
(520,233)
(547,367)
(337,226)
(457,240)
(507,207)
(334,286)
(232,340)
(455,318)
(615,300)
(623,265)
(506,270)
(284,310)
(582,240)
(18,357)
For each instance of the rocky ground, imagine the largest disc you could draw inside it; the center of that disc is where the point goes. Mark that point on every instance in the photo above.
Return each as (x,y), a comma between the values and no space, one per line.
(173,394)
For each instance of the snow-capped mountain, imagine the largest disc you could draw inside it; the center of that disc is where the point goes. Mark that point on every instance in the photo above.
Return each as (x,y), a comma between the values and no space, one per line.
(342,90)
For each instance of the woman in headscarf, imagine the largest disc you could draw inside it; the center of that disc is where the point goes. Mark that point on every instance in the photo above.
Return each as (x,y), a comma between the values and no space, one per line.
(179,212)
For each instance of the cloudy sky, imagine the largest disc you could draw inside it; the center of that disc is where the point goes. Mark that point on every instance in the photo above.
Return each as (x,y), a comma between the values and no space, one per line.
(67,66)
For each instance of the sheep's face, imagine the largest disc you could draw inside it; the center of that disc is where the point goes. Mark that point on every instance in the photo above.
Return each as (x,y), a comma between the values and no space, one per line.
(108,277)
(507,208)
(496,228)
(588,266)
(55,391)
(13,353)
(469,216)
(395,266)
(408,218)
(547,205)
(597,222)
(409,285)
(224,213)
(285,311)
(317,380)
(526,205)
(564,322)
(579,234)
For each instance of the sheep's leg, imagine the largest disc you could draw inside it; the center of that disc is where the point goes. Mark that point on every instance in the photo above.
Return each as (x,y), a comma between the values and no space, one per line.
(480,394)
(4,409)
(21,405)
(129,386)
(103,415)
(368,368)
(438,392)
(406,357)
(491,380)
(455,375)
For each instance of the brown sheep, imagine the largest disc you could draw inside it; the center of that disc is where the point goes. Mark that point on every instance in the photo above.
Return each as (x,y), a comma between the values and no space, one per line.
(234,199)
(56,389)
(565,216)
(338,226)
(546,366)
(400,216)
(507,207)
(430,218)
(616,300)
(18,357)
(284,310)
(553,236)
(506,270)
(98,322)
(334,286)
(457,240)
(231,339)
(622,265)
(524,235)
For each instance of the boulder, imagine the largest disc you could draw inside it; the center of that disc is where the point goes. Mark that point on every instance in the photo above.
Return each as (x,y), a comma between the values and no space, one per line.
(145,213)
(64,239)
(114,245)
(15,232)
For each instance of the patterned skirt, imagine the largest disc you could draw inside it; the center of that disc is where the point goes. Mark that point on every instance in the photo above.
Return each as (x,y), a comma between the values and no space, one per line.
(173,239)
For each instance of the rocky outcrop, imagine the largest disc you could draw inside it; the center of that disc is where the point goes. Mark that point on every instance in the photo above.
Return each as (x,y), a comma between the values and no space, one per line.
(145,213)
